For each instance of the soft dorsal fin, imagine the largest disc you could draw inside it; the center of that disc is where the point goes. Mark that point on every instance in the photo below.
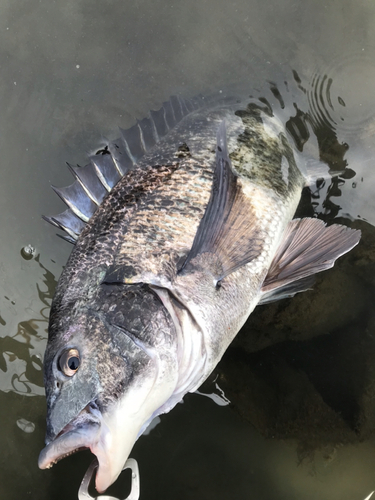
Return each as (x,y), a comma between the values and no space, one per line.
(227,231)
(308,247)
(106,168)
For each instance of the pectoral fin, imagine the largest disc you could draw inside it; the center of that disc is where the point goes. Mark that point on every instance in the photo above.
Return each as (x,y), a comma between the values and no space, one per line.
(308,247)
(227,236)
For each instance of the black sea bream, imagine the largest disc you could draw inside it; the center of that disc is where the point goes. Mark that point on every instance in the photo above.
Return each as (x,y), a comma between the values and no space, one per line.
(181,228)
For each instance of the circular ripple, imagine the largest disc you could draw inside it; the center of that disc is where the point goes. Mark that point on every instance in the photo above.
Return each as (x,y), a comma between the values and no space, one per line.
(342,95)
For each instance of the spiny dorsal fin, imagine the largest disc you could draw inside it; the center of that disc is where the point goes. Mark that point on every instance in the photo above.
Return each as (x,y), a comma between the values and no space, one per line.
(77,200)
(227,236)
(106,170)
(308,247)
(68,222)
(90,182)
(98,177)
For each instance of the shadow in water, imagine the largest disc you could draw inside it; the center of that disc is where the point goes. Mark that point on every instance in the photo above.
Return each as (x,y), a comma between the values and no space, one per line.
(21,368)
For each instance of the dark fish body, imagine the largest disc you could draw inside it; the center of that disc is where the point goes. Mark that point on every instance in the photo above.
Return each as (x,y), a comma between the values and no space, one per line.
(183,231)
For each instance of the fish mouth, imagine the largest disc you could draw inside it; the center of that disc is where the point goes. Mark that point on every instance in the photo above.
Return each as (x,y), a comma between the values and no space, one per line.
(81,433)
(63,446)
(89,430)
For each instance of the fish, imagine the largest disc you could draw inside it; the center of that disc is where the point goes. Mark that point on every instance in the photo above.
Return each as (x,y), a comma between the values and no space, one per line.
(181,227)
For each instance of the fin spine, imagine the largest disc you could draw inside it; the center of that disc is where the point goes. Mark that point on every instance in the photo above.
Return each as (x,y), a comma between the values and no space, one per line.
(84,201)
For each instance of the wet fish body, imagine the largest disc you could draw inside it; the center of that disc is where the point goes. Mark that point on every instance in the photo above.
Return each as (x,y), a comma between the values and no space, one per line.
(184,228)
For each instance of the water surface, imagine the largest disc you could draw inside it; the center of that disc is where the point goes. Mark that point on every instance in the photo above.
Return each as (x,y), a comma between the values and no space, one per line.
(299,377)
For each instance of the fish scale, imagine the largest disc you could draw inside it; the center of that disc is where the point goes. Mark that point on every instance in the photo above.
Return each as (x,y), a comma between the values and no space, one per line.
(191,182)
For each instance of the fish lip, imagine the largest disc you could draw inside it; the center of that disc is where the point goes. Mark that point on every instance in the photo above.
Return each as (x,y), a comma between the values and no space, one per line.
(79,434)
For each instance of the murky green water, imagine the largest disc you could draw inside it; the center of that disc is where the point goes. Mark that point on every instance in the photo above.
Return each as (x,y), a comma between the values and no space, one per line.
(300,377)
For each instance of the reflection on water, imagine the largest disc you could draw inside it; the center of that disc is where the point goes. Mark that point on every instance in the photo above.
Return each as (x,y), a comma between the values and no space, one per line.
(20,359)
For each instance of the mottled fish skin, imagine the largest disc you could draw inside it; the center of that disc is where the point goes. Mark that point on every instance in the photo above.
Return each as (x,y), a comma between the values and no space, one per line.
(158,206)
(151,322)
(147,223)
(259,157)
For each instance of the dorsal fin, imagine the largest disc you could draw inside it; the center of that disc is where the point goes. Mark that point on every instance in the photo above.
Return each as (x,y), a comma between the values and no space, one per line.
(106,170)
(97,178)
(77,200)
(68,222)
(90,182)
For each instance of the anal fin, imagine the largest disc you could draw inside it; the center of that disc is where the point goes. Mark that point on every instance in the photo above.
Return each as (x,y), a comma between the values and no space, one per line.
(308,247)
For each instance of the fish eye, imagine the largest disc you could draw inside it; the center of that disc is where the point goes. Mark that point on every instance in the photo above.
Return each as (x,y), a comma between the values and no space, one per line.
(69,362)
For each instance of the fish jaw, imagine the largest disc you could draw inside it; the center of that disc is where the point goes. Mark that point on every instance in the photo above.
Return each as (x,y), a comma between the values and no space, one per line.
(82,433)
(99,434)
(66,445)
(121,423)
(112,457)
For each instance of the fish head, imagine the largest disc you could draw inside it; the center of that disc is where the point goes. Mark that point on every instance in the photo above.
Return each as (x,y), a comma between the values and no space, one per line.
(110,364)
